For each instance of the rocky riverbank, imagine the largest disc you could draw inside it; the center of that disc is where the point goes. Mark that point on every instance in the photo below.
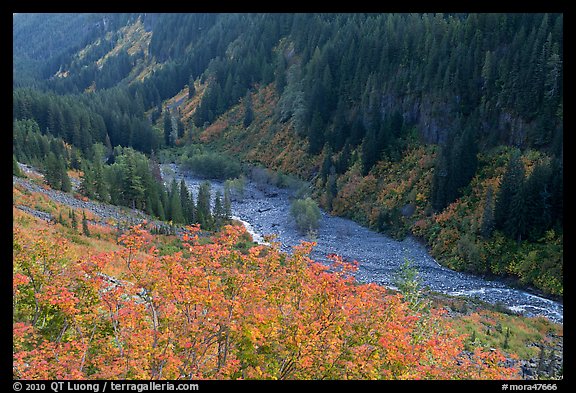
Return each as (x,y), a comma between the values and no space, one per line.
(267,210)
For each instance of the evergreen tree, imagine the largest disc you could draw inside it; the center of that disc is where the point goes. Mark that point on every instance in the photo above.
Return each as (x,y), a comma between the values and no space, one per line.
(73,220)
(517,223)
(180,128)
(316,134)
(52,173)
(55,173)
(203,213)
(100,184)
(65,179)
(487,226)
(176,211)
(227,203)
(439,190)
(87,184)
(191,88)
(510,187)
(186,203)
(538,201)
(85,229)
(369,152)
(133,189)
(15,167)
(219,213)
(167,128)
(155,167)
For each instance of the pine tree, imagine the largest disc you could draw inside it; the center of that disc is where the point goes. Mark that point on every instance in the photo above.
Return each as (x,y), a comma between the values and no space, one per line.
(87,187)
(538,202)
(180,128)
(100,184)
(510,187)
(73,221)
(15,167)
(52,173)
(191,88)
(227,203)
(219,214)
(176,213)
(316,134)
(369,152)
(517,224)
(203,213)
(66,184)
(85,229)
(186,203)
(487,226)
(167,128)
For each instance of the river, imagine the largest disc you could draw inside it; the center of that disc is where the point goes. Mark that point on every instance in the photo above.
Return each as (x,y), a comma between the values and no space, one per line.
(266,211)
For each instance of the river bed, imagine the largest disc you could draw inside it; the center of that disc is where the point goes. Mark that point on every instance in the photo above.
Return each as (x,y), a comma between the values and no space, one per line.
(265,210)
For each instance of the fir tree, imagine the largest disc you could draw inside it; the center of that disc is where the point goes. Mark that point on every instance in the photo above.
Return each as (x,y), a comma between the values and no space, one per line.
(73,221)
(85,229)
(15,167)
(510,188)
(191,89)
(219,214)
(176,213)
(167,128)
(227,203)
(203,213)
(487,225)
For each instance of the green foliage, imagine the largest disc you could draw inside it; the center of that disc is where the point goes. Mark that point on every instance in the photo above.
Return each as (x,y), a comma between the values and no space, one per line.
(306,214)
(212,165)
(55,173)
(203,211)
(408,282)
(73,219)
(16,168)
(234,188)
(85,228)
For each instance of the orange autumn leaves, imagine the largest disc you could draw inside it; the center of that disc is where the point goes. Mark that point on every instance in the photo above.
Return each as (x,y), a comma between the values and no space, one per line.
(215,312)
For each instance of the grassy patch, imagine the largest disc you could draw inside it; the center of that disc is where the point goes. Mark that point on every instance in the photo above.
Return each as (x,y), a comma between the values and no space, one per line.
(511,334)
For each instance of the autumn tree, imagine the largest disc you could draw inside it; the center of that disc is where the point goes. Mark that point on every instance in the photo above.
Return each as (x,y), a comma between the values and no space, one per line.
(218,312)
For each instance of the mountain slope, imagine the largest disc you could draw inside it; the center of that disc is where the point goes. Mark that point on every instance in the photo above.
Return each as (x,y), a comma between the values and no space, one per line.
(447,126)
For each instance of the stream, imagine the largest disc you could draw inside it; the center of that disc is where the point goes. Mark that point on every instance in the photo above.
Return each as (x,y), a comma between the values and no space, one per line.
(265,210)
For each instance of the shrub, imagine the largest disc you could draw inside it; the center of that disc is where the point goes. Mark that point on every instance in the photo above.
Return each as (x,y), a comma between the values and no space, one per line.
(306,213)
(213,166)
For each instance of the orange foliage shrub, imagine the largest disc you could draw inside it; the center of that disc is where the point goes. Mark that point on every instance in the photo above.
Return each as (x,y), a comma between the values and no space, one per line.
(220,313)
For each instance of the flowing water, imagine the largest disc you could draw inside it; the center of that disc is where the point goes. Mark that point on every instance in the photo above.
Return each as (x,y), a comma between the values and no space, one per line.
(265,210)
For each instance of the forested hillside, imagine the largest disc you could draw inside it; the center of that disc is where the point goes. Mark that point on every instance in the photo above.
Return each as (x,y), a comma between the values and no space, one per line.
(445,126)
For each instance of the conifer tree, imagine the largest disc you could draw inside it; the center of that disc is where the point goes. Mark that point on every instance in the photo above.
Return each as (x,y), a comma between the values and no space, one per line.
(191,89)
(167,128)
(510,187)
(73,220)
(487,225)
(227,203)
(15,168)
(176,213)
(85,229)
(219,214)
(203,213)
